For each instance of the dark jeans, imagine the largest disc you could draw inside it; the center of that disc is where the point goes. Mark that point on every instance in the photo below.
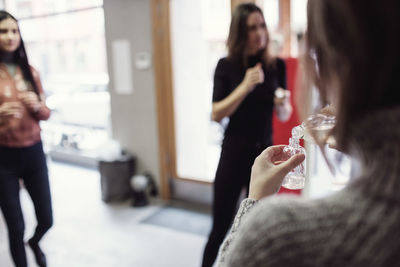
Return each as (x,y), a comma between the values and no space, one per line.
(233,174)
(29,164)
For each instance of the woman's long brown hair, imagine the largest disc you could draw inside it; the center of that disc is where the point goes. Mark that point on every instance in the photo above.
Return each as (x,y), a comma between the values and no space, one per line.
(238,35)
(20,57)
(354,45)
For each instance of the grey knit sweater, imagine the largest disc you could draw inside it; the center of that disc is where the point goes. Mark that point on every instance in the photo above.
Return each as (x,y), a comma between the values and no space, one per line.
(358,226)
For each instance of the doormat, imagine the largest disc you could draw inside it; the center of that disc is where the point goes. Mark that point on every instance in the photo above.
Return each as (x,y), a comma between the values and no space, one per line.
(181,220)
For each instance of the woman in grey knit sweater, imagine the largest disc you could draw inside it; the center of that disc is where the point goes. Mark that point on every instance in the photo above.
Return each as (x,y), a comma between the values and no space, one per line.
(354,60)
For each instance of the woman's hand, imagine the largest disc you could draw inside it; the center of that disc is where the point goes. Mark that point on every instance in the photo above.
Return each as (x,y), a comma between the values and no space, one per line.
(227,106)
(269,169)
(282,96)
(282,105)
(11,109)
(30,100)
(253,76)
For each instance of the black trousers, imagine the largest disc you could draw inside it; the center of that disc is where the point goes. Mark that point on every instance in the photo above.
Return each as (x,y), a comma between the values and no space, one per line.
(233,174)
(29,164)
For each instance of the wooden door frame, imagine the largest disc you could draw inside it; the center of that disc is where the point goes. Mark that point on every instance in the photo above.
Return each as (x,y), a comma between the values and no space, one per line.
(285,26)
(160,12)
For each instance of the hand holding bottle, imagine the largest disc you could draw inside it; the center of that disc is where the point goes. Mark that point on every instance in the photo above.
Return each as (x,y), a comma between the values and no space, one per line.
(282,96)
(269,170)
(296,178)
(253,76)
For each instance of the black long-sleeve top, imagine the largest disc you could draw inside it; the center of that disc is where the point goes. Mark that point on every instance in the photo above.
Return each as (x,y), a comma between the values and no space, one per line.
(251,124)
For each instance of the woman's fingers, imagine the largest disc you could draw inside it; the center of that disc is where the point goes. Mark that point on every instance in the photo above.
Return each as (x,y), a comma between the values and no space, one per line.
(276,156)
(291,163)
(31,100)
(269,169)
(273,151)
(11,107)
(29,97)
(257,74)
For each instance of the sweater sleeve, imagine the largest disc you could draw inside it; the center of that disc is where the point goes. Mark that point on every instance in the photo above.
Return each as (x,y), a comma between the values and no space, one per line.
(245,206)
(265,235)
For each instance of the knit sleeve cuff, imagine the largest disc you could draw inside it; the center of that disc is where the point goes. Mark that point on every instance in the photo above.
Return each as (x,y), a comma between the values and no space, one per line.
(245,206)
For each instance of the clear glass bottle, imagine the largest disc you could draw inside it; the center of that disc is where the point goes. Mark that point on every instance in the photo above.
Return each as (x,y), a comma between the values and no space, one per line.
(317,127)
(296,178)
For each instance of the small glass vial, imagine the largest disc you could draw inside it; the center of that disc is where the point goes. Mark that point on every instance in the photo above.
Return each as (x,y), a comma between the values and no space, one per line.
(296,178)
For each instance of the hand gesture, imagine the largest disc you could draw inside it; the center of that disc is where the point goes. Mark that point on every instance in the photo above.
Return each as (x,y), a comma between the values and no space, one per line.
(253,76)
(269,170)
(30,100)
(11,109)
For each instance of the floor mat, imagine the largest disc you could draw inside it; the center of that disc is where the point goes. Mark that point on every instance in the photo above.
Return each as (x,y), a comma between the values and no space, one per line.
(181,220)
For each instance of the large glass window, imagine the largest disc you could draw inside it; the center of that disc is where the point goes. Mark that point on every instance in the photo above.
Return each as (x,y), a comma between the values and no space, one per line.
(65,42)
(199,30)
(29,8)
(298,20)
(271,14)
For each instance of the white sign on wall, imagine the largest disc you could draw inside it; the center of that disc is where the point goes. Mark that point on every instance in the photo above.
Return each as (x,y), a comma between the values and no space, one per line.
(122,67)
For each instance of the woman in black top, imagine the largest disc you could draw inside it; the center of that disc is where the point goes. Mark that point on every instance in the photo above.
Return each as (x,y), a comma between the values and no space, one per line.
(245,85)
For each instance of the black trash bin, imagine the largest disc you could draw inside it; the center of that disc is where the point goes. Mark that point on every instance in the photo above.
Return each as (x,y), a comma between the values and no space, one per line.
(115,178)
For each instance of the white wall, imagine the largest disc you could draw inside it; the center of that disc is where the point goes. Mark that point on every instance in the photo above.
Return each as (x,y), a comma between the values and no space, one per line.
(133,116)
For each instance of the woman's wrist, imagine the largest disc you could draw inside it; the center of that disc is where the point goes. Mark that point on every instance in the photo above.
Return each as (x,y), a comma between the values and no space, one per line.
(247,88)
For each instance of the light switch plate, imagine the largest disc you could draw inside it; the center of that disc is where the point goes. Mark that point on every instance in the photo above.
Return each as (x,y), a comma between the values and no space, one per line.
(142,60)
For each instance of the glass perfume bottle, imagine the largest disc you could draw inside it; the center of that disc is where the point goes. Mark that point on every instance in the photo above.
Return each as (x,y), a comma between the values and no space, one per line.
(314,129)
(296,178)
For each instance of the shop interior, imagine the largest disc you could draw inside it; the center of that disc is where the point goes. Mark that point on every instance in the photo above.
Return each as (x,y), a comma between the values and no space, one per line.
(129,84)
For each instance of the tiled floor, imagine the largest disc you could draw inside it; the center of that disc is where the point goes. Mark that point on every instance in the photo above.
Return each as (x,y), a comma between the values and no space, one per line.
(88,232)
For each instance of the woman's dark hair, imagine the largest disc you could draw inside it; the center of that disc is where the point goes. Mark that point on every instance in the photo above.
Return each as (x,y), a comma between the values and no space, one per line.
(20,57)
(354,45)
(238,35)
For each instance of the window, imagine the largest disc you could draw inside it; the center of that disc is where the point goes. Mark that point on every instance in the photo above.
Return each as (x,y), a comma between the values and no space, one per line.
(199,30)
(198,35)
(298,20)
(271,14)
(65,42)
(29,8)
